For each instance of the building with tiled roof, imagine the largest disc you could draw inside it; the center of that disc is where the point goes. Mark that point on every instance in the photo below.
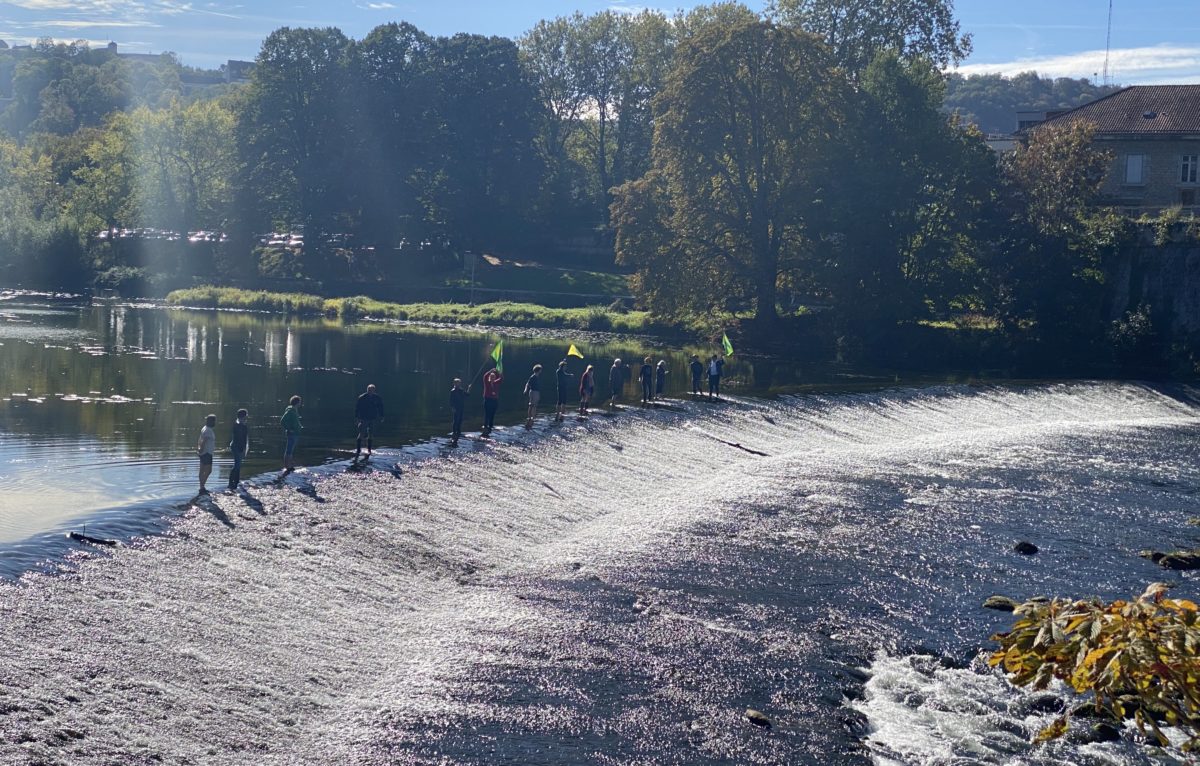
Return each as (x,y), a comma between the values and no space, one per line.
(1153,133)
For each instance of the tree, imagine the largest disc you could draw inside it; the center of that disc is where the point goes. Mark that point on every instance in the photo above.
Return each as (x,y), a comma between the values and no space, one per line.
(1055,242)
(744,127)
(299,126)
(482,191)
(859,30)
(906,208)
(185,162)
(394,70)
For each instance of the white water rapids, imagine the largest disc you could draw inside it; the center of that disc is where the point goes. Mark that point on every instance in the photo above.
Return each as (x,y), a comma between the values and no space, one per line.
(343,621)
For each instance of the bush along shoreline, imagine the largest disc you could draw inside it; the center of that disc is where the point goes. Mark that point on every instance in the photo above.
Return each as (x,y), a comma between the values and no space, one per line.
(503,314)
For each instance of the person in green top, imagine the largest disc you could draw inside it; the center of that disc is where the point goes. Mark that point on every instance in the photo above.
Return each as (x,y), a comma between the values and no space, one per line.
(291,427)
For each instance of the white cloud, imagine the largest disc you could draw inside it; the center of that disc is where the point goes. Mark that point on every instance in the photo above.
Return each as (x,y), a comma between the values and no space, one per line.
(372,7)
(1153,64)
(83,24)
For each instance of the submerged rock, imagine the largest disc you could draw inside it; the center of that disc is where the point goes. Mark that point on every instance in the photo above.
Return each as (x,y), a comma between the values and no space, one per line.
(1000,603)
(1038,704)
(757,718)
(1181,560)
(1025,548)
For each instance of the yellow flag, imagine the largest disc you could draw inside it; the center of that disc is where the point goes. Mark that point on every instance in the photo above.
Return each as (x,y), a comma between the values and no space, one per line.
(572,351)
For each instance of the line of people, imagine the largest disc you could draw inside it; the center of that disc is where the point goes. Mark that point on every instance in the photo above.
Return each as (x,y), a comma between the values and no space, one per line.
(369,408)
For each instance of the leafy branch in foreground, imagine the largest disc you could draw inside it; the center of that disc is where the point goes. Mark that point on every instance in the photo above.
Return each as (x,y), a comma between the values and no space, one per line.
(1140,659)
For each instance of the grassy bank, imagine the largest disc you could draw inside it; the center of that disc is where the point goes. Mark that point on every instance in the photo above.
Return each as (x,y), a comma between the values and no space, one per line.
(503,314)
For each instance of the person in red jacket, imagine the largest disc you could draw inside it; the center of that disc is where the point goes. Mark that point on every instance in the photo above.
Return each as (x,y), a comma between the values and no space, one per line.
(491,398)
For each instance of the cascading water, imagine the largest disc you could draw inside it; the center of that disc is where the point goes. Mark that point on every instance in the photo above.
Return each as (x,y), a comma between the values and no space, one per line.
(616,591)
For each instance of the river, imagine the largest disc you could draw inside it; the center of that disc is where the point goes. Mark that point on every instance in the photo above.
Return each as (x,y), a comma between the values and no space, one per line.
(616,590)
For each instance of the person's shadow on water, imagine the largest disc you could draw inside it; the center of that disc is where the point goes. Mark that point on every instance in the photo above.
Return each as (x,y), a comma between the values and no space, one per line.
(208,505)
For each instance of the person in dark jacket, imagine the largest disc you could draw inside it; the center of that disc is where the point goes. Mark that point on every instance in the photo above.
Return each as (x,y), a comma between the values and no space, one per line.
(616,381)
(290,422)
(239,445)
(458,405)
(563,379)
(660,378)
(646,378)
(368,411)
(697,368)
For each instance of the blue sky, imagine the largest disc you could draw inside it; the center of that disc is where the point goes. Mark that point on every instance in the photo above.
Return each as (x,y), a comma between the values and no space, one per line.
(1156,41)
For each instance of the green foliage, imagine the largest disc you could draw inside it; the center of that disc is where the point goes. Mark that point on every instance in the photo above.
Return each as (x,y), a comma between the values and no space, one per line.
(1134,340)
(1138,659)
(858,31)
(1171,225)
(505,314)
(741,154)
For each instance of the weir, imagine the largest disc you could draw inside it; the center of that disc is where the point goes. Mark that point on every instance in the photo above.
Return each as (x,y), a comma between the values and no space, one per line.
(697,558)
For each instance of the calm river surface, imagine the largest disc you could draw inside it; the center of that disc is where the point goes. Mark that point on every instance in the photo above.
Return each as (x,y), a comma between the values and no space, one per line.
(617,590)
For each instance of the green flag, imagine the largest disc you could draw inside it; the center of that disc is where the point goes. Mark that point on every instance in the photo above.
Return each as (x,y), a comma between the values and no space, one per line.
(725,344)
(498,355)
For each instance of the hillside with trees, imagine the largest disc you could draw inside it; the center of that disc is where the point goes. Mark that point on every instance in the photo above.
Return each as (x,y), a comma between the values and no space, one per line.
(991,101)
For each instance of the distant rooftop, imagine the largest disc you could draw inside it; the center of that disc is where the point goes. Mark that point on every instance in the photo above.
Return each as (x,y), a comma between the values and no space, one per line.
(1146,110)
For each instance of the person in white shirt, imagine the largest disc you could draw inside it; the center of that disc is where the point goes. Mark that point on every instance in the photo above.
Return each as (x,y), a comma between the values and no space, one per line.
(205,447)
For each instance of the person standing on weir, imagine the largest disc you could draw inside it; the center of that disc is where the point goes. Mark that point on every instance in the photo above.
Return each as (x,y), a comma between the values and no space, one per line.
(563,380)
(660,378)
(697,368)
(616,381)
(206,445)
(368,411)
(533,389)
(491,398)
(290,420)
(646,378)
(714,376)
(587,387)
(458,404)
(239,445)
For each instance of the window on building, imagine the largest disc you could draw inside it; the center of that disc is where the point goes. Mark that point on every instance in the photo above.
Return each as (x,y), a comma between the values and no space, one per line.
(1135,168)
(1187,169)
(1187,197)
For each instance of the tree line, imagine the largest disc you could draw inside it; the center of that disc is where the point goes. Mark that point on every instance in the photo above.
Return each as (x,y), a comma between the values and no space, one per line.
(744,164)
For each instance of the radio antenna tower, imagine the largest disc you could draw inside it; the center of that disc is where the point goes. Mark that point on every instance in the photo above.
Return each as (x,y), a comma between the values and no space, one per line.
(1107,80)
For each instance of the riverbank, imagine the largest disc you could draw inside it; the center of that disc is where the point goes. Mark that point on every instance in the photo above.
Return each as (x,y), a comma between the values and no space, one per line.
(500,314)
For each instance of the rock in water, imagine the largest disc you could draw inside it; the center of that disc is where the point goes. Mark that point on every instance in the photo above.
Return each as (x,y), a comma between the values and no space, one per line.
(1155,556)
(1000,603)
(1181,560)
(1104,732)
(1025,549)
(757,718)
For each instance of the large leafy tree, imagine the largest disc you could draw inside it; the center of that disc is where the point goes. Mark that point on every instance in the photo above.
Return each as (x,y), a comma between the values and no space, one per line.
(859,30)
(745,124)
(482,190)
(394,73)
(1055,244)
(908,205)
(299,131)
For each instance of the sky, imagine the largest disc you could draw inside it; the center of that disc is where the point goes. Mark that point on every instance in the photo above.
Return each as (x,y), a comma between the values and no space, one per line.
(1153,41)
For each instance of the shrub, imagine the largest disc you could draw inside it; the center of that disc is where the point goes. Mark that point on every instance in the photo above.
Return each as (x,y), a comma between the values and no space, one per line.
(1139,659)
